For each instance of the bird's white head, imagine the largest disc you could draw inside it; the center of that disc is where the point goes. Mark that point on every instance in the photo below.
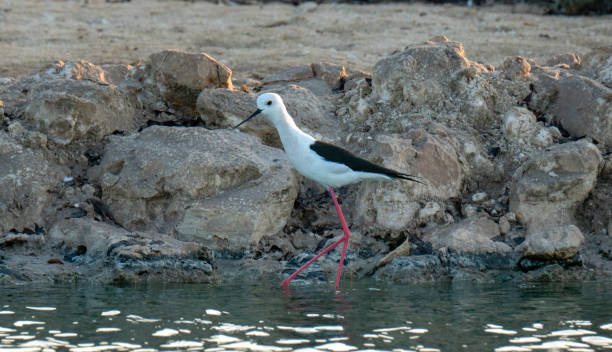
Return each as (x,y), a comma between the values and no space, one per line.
(271,106)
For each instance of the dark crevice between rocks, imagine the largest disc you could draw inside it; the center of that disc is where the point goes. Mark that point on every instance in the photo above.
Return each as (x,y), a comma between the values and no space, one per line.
(179,122)
(230,254)
(526,264)
(482,262)
(75,255)
(103,211)
(420,247)
(93,157)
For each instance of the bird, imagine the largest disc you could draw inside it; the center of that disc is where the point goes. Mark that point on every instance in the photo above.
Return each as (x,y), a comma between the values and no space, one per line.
(327,164)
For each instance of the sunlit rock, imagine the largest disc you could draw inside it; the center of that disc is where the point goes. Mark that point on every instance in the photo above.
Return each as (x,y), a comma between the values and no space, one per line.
(67,110)
(435,79)
(181,76)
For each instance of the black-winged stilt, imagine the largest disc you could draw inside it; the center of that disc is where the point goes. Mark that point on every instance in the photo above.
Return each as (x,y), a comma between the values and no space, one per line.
(325,163)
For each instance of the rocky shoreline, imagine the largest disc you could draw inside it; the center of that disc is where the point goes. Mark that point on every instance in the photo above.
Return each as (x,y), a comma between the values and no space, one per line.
(120,174)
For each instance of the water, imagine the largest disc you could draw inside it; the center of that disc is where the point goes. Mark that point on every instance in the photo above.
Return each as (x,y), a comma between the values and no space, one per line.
(366,315)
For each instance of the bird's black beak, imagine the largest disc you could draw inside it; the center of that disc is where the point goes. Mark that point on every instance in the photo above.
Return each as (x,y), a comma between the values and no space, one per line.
(250,117)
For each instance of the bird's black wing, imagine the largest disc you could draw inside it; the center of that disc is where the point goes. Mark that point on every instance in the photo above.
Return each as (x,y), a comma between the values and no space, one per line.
(336,154)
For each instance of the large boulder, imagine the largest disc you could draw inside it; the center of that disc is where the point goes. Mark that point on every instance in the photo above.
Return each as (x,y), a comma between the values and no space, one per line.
(181,76)
(553,243)
(582,106)
(68,110)
(435,79)
(474,235)
(430,151)
(221,188)
(548,188)
(26,182)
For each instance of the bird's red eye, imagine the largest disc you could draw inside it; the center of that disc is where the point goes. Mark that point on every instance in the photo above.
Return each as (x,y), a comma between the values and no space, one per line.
(269,102)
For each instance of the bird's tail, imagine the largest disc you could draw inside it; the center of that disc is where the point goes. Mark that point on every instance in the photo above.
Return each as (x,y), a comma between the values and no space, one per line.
(407,177)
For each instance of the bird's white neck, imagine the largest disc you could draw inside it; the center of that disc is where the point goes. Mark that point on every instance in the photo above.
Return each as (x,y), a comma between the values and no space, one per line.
(288,131)
(284,124)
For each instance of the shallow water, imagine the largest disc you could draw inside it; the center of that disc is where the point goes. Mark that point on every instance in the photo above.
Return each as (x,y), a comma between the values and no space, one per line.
(364,315)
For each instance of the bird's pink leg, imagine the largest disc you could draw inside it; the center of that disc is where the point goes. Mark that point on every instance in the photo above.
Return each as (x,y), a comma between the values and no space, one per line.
(297,272)
(345,238)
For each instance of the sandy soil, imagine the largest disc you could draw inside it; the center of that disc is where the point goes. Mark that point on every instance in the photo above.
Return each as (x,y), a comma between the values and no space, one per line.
(261,39)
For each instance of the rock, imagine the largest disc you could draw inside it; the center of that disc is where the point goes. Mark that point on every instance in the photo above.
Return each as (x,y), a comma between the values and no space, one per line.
(516,67)
(519,124)
(12,238)
(390,207)
(132,256)
(430,151)
(225,108)
(570,60)
(479,197)
(510,216)
(116,73)
(598,65)
(26,183)
(246,83)
(545,136)
(291,74)
(333,74)
(450,267)
(357,102)
(547,189)
(79,110)
(436,80)
(75,70)
(181,76)
(430,209)
(402,250)
(561,242)
(468,210)
(595,214)
(582,106)
(606,170)
(413,269)
(25,137)
(220,188)
(504,225)
(468,236)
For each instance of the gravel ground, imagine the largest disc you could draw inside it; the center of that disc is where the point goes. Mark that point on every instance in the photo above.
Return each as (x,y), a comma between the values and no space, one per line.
(256,40)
